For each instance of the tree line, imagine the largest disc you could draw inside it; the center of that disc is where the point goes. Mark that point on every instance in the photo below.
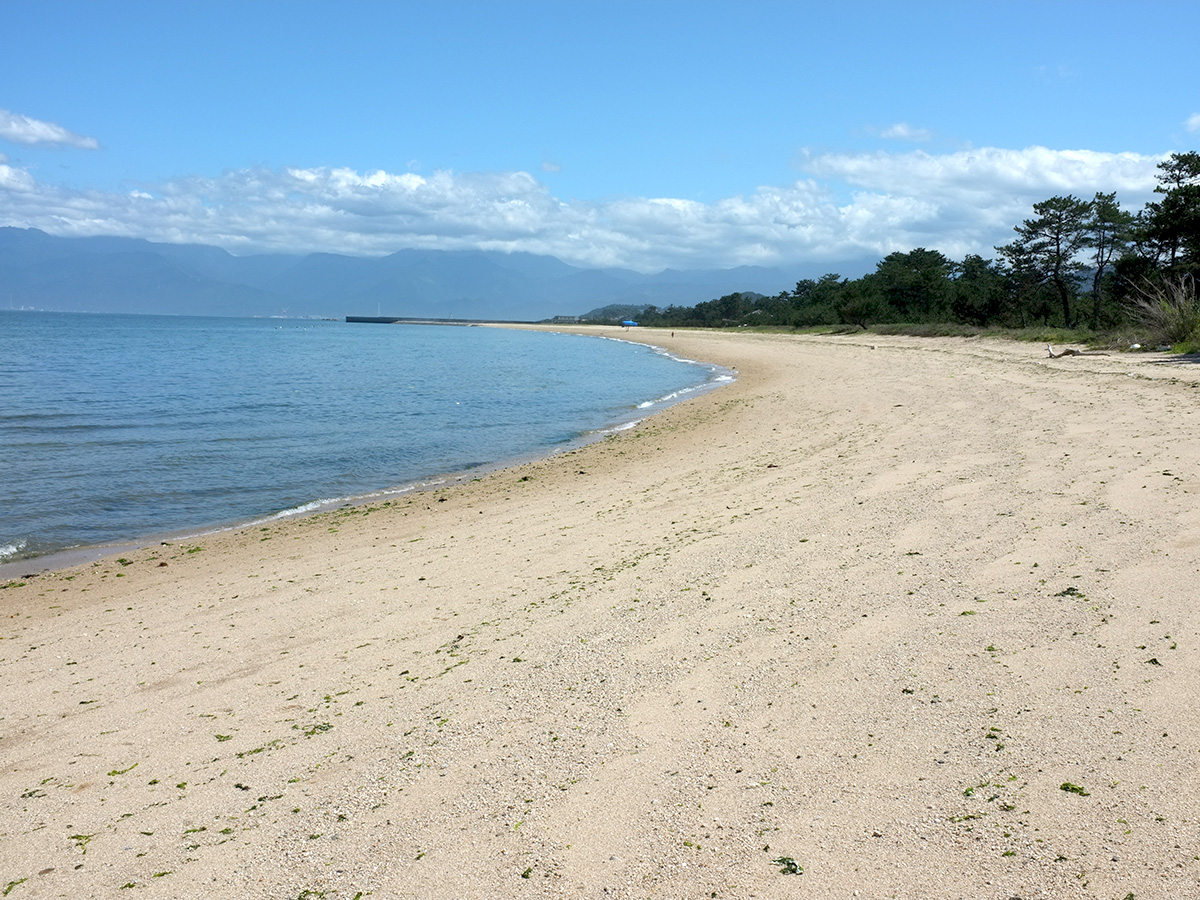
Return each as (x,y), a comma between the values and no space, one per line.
(1074,263)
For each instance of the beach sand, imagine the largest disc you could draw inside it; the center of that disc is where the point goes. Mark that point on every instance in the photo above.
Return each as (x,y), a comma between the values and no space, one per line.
(869,609)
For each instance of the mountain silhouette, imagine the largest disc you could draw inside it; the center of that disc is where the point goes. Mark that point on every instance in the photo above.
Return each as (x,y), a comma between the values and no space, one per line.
(130,275)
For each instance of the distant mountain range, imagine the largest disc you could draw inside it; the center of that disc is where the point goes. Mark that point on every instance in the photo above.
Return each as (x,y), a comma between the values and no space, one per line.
(129,275)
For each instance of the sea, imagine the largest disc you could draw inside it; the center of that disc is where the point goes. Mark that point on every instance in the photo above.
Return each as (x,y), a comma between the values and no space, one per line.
(119,429)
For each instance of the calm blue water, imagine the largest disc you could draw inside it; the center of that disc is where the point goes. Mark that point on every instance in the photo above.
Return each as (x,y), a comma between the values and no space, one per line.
(114,428)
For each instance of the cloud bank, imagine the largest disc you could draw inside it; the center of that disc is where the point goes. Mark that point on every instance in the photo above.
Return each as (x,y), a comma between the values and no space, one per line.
(24,130)
(850,206)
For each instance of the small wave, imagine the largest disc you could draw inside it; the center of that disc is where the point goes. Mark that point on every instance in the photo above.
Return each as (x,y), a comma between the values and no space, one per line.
(13,549)
(624,426)
(675,357)
(668,398)
(300,510)
(330,502)
(661,351)
(718,378)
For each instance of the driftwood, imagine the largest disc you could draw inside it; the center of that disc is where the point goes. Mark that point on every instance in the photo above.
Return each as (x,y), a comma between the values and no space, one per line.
(1071,352)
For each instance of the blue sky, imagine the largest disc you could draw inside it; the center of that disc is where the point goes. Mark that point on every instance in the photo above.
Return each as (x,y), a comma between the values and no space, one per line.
(645,135)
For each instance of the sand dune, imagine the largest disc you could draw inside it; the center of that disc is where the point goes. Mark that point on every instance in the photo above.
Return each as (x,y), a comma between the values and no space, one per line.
(920,619)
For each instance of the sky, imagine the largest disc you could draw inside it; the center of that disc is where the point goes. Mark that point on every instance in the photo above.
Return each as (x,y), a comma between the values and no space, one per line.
(644,135)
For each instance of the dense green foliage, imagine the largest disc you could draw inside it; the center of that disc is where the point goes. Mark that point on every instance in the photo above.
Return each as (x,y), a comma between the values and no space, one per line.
(1073,263)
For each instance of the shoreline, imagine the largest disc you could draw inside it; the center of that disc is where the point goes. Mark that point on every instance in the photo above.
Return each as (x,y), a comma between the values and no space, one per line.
(66,557)
(878,607)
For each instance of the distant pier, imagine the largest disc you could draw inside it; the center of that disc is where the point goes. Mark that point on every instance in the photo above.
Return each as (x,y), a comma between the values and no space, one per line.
(405,320)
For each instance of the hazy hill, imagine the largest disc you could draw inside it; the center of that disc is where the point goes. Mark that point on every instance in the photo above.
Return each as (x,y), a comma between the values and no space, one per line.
(112,274)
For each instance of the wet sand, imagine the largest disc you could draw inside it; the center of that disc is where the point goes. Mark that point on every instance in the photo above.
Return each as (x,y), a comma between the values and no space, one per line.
(869,610)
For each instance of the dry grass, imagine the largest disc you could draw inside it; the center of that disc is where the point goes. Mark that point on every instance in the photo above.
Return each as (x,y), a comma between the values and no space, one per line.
(1171,310)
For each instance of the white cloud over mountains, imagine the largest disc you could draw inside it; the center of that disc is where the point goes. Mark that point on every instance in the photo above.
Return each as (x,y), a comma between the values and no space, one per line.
(25,130)
(850,206)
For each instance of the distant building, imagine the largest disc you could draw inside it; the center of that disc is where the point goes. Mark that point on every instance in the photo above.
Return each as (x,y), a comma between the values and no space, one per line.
(565,320)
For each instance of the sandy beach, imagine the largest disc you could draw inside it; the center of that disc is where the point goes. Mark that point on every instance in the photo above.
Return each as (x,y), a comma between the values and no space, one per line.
(887,617)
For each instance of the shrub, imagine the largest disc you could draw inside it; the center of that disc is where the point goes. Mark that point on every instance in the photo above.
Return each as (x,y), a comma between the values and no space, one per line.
(1170,310)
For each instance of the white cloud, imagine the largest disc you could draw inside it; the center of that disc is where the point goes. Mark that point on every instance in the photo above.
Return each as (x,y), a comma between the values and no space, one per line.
(902,131)
(551,167)
(987,169)
(15,181)
(24,130)
(849,207)
(1193,123)
(968,201)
